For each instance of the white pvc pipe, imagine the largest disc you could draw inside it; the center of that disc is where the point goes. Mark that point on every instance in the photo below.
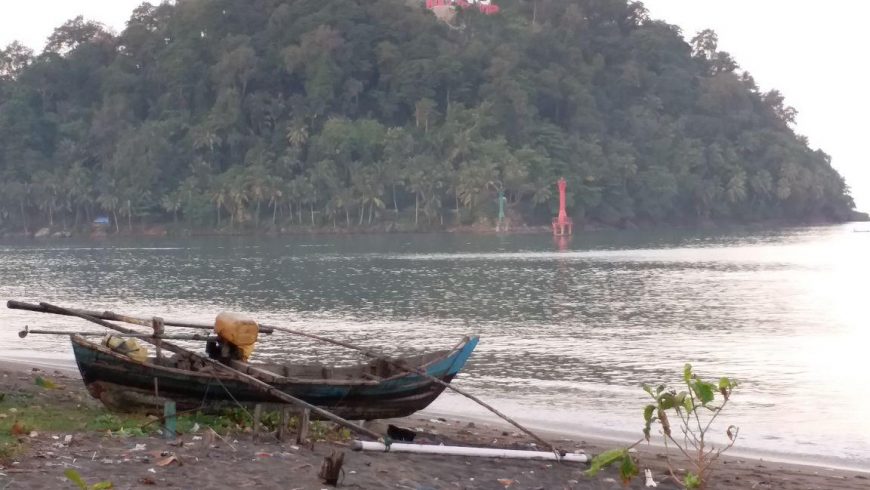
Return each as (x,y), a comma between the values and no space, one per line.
(484,452)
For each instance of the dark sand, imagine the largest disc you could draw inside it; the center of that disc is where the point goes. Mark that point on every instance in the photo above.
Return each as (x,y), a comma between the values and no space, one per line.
(205,461)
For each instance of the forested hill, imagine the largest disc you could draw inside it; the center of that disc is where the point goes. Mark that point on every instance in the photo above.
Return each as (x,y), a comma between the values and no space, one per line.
(275,113)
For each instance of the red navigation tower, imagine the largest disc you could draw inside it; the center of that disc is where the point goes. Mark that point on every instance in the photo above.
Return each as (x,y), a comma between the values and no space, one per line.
(562,225)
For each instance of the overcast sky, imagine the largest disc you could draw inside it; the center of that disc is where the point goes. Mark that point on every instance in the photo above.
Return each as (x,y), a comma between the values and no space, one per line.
(813,52)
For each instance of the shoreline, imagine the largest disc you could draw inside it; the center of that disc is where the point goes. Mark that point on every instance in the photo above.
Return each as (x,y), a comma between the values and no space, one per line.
(735,470)
(607,439)
(160,230)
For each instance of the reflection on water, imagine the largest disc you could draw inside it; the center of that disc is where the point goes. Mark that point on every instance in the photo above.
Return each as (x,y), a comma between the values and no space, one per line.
(570,328)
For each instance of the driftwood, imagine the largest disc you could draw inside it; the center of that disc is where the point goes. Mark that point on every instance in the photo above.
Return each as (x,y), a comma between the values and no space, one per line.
(237,375)
(116,317)
(330,470)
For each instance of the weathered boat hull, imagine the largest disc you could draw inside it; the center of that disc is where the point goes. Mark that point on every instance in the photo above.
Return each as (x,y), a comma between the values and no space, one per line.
(124,384)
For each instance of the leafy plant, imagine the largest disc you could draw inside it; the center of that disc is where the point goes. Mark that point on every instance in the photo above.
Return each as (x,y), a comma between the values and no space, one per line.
(696,409)
(74,476)
(45,383)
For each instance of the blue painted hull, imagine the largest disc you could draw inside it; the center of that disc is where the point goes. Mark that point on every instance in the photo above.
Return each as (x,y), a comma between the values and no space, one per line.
(124,384)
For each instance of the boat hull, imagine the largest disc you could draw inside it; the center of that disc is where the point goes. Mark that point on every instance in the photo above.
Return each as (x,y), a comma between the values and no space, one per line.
(124,384)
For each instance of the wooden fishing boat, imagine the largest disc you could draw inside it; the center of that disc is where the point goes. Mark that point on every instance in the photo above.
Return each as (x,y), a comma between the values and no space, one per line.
(382,388)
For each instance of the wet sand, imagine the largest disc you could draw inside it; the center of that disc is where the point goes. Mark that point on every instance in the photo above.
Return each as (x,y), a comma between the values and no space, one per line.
(202,460)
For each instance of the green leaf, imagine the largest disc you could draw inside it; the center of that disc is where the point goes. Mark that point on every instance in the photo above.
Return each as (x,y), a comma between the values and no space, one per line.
(647,388)
(628,468)
(103,485)
(691,481)
(667,401)
(648,413)
(687,372)
(688,404)
(725,387)
(704,391)
(74,476)
(648,418)
(45,383)
(604,460)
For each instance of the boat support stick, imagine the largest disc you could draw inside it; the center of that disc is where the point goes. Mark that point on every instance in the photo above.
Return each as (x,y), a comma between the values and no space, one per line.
(422,373)
(194,336)
(116,317)
(240,376)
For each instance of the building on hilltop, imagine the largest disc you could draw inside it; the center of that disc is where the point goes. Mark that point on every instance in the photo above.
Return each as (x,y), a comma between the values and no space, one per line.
(485,6)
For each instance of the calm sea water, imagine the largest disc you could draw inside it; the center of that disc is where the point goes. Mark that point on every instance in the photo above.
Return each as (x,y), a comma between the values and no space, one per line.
(569,330)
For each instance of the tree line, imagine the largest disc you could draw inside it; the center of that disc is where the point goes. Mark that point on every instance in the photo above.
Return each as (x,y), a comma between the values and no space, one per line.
(264,114)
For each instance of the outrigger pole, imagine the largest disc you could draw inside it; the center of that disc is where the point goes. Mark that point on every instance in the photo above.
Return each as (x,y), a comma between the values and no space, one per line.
(194,336)
(116,317)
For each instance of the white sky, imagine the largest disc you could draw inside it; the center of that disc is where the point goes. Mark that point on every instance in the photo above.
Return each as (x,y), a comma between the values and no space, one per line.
(813,52)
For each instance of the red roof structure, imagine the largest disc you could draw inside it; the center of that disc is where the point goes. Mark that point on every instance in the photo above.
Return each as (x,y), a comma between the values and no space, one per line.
(486,8)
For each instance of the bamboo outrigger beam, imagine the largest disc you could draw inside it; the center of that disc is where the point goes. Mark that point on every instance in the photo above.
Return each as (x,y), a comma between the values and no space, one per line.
(195,336)
(238,375)
(116,317)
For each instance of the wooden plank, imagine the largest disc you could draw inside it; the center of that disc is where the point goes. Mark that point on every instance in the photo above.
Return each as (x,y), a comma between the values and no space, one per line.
(302,427)
(258,412)
(283,422)
(267,376)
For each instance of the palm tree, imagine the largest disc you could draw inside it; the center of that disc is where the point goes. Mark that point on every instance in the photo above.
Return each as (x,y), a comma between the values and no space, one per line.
(171,203)
(257,182)
(109,202)
(297,135)
(219,196)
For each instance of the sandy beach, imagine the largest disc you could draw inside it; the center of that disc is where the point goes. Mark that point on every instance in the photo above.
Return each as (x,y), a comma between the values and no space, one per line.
(232,459)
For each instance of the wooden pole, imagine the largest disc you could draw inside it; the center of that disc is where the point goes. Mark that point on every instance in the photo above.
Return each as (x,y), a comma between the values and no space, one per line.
(194,336)
(237,375)
(116,317)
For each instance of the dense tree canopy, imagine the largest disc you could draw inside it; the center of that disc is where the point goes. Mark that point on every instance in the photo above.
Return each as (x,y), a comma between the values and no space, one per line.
(268,113)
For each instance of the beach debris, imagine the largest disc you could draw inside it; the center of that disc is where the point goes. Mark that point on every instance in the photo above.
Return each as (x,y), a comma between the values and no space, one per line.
(505,482)
(330,470)
(647,473)
(147,480)
(152,470)
(358,445)
(169,460)
(195,428)
(33,434)
(17,429)
(400,434)
(138,447)
(67,439)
